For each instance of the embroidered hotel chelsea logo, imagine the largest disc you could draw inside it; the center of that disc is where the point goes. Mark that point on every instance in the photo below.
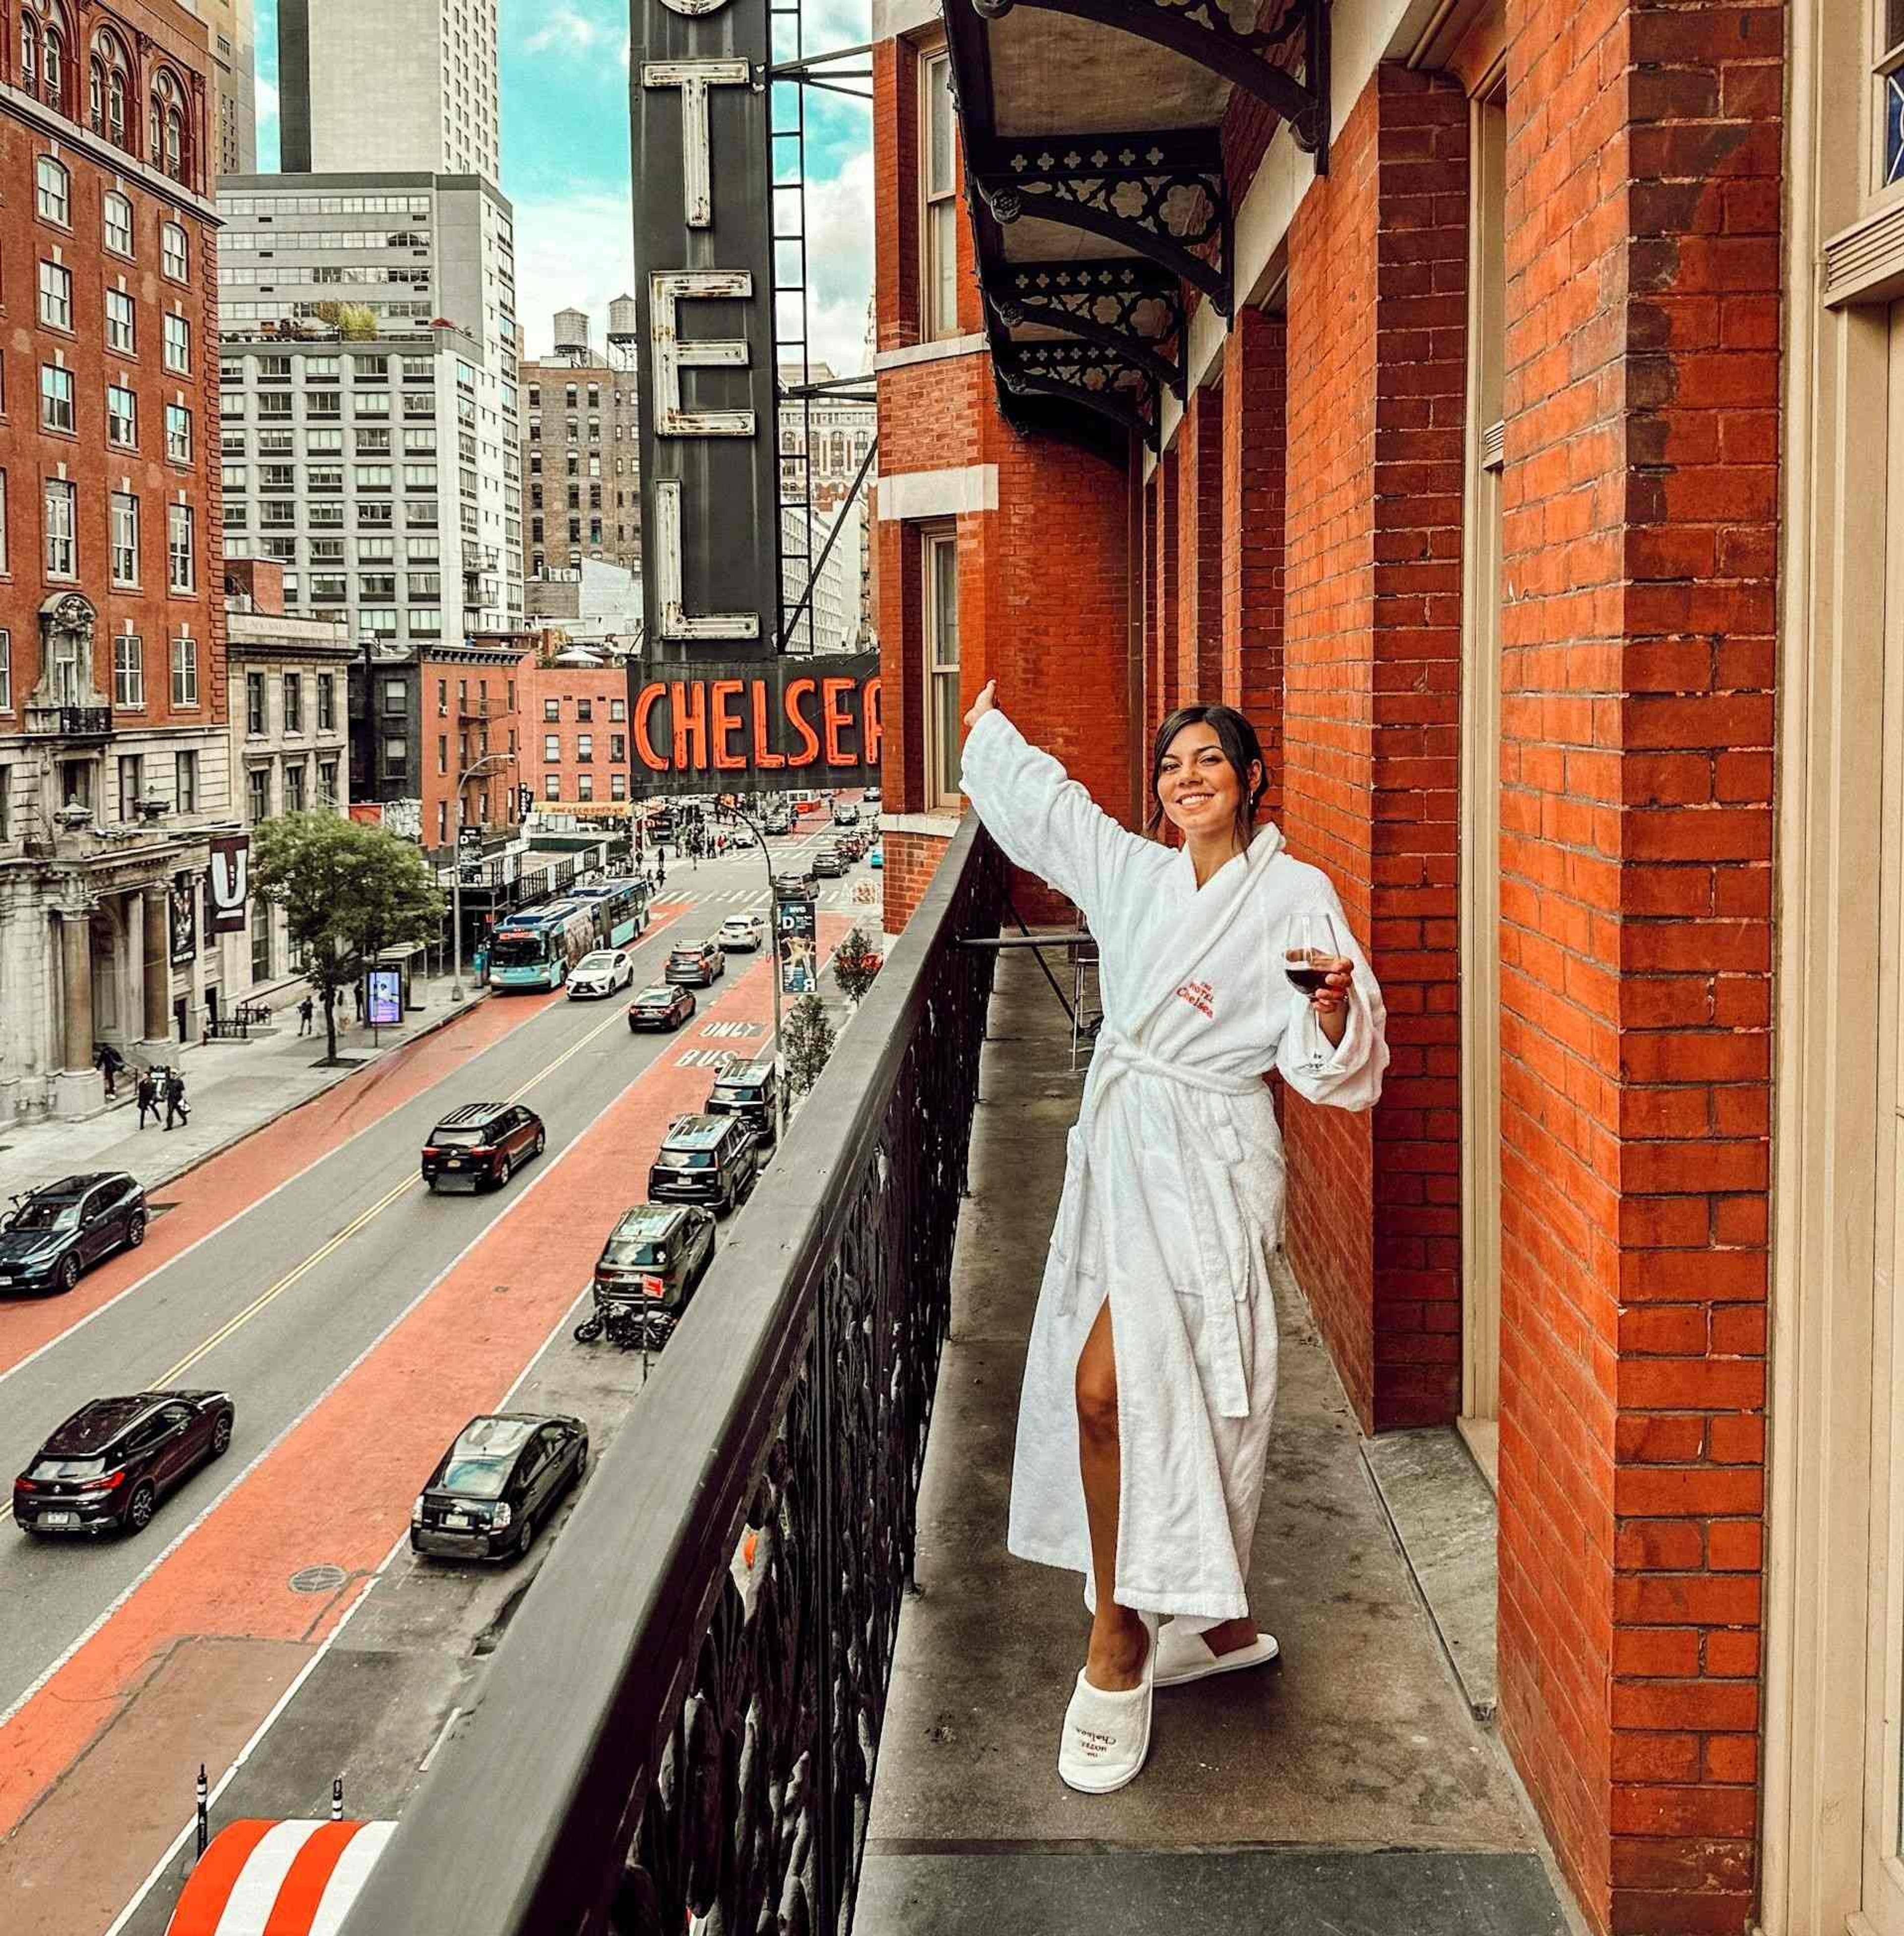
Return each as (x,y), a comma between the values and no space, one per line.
(1200,997)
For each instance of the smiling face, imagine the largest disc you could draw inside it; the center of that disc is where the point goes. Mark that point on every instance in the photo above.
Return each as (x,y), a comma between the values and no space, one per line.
(1201,791)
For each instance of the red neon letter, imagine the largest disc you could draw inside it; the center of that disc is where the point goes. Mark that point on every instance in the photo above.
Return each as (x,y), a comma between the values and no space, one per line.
(764,757)
(689,704)
(832,708)
(798,689)
(871,725)
(650,698)
(727,723)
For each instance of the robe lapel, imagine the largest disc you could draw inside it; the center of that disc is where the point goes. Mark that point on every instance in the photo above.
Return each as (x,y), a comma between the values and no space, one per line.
(1183,943)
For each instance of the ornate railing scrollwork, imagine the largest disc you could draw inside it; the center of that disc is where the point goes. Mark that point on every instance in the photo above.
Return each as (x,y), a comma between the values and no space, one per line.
(1121,304)
(1106,382)
(680,1729)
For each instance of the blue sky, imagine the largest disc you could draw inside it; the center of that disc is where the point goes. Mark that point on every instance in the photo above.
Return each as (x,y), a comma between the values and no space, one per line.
(565,165)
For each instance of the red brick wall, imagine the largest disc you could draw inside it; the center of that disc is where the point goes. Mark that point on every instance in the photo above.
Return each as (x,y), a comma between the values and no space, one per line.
(1161,598)
(1376,362)
(1641,492)
(1255,460)
(1199,460)
(490,680)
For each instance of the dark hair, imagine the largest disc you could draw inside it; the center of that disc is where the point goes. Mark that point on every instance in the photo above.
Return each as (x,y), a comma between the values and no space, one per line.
(1241,748)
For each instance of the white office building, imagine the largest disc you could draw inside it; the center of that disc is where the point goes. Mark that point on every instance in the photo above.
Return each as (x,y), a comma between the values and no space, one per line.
(407,84)
(370,416)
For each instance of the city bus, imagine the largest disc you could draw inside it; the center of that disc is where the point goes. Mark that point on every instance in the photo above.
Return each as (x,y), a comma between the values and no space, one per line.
(536,948)
(620,908)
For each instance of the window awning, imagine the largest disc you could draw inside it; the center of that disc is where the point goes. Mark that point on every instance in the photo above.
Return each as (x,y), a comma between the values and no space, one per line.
(1095,177)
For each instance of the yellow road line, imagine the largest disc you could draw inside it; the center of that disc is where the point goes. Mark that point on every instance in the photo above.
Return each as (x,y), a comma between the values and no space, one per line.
(350,1230)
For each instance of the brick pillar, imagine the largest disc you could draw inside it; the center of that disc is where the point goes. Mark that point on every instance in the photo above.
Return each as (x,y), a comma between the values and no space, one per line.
(1163,682)
(1199,640)
(1255,460)
(1377,363)
(1641,495)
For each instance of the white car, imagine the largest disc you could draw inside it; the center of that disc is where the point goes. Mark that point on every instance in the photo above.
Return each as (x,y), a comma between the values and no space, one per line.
(740,934)
(601,973)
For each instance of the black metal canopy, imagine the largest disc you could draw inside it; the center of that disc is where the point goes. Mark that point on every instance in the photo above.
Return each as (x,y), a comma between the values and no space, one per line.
(1095,180)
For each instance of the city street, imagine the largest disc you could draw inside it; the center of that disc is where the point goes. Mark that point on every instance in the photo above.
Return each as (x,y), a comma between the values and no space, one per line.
(357,1320)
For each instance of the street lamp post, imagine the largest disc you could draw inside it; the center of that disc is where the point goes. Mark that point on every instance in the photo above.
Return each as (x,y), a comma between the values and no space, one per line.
(732,801)
(476,770)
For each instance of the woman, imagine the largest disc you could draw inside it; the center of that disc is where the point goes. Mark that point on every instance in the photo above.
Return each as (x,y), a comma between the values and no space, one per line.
(1150,1377)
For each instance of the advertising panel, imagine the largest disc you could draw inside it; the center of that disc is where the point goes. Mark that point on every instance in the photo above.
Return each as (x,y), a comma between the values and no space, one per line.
(796,944)
(704,278)
(227,884)
(386,997)
(184,922)
(780,725)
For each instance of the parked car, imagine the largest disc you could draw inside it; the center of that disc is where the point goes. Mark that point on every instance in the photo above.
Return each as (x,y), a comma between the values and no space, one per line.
(498,1482)
(845,813)
(601,973)
(709,1159)
(877,856)
(661,1008)
(700,962)
(54,1234)
(741,934)
(107,1467)
(829,862)
(751,1091)
(742,836)
(647,1274)
(482,1143)
(870,797)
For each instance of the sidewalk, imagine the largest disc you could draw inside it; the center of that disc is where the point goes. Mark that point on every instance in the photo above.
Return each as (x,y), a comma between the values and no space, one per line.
(1348,1790)
(232,1089)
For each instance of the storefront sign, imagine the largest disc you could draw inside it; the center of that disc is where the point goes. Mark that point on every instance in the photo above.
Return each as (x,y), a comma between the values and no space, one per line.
(184,910)
(796,944)
(227,884)
(704,280)
(776,726)
(386,997)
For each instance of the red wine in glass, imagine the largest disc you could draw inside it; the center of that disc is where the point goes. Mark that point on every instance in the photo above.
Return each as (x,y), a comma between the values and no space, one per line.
(1312,939)
(1308,979)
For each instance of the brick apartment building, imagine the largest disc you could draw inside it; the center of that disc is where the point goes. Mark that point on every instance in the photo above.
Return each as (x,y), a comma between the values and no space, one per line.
(113,754)
(573,721)
(1514,427)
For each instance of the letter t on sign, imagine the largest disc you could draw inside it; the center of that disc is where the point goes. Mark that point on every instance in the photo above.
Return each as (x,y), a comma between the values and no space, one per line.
(667,288)
(694,77)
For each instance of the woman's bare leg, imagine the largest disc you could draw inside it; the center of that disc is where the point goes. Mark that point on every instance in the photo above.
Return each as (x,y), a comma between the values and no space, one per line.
(1115,1657)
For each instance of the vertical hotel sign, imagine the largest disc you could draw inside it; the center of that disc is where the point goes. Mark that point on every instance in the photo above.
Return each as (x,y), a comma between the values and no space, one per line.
(698,74)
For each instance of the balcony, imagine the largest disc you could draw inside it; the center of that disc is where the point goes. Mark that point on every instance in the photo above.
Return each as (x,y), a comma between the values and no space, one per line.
(720,1704)
(69,722)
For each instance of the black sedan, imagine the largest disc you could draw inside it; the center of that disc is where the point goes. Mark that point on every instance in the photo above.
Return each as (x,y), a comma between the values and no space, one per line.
(109,1466)
(53,1235)
(660,1008)
(496,1483)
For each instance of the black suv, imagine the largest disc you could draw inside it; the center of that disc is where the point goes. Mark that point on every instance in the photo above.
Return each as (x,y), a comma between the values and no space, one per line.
(108,1465)
(751,1091)
(482,1143)
(696,961)
(829,863)
(54,1234)
(705,1159)
(646,1276)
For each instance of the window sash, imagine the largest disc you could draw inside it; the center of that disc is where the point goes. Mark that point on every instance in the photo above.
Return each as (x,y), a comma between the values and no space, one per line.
(185,672)
(126,538)
(940,609)
(55,295)
(62,553)
(180,550)
(129,672)
(57,398)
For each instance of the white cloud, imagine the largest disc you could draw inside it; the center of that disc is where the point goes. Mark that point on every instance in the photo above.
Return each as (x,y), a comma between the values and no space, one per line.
(839,229)
(266,96)
(566,29)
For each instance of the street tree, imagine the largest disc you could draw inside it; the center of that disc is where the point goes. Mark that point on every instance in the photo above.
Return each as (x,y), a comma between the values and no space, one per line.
(857,964)
(349,891)
(806,1041)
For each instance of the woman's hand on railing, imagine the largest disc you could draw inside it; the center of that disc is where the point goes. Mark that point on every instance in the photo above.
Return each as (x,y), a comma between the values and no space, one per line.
(982,705)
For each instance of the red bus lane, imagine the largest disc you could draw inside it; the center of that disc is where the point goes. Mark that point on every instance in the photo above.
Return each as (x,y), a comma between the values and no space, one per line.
(336,1489)
(225,1186)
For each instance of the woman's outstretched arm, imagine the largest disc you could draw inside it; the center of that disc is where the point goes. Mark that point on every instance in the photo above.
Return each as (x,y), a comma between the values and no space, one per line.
(1044,820)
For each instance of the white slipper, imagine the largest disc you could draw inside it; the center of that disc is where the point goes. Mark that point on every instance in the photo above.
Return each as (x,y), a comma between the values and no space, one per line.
(1107,1734)
(1182,1656)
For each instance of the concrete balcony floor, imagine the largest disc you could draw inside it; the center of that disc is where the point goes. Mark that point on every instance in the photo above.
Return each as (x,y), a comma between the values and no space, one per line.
(1347,1791)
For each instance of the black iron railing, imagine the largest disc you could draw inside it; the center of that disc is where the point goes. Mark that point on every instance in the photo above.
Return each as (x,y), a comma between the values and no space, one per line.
(666,1734)
(85,722)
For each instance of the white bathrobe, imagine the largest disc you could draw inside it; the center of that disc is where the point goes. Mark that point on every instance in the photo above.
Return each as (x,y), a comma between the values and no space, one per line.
(1174,1178)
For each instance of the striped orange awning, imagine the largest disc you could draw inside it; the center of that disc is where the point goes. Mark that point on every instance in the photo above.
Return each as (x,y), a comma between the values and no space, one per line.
(278,1878)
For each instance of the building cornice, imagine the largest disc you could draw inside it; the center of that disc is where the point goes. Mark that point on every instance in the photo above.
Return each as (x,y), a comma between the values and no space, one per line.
(55,127)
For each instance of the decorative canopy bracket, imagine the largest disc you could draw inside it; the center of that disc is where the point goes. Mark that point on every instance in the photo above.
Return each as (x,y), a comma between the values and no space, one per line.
(1160,194)
(1105,381)
(1257,59)
(1109,303)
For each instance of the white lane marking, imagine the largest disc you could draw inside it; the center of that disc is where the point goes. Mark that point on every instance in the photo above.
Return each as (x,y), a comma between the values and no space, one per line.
(442,1733)
(164,1864)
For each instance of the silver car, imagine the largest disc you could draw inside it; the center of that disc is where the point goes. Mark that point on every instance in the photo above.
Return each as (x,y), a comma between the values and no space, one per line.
(601,973)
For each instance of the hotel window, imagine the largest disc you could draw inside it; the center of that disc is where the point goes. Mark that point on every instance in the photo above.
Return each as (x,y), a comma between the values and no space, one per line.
(175,252)
(126,538)
(122,416)
(294,703)
(185,672)
(179,548)
(585,746)
(257,794)
(617,709)
(327,702)
(584,786)
(551,749)
(940,556)
(56,398)
(293,786)
(6,672)
(129,673)
(255,704)
(178,433)
(551,708)
(551,786)
(61,521)
(618,786)
(327,783)
(118,224)
(184,783)
(53,191)
(122,334)
(940,253)
(131,784)
(56,296)
(178,345)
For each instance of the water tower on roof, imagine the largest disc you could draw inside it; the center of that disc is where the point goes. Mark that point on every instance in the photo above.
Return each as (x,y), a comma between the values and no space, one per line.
(623,327)
(571,334)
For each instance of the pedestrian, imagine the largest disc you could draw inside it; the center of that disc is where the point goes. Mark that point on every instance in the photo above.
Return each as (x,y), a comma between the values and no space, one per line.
(175,1103)
(147,1093)
(1150,1485)
(357,1000)
(306,1016)
(109,1062)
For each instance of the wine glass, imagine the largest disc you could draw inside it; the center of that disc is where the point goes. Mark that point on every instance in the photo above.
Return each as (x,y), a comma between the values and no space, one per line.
(1313,944)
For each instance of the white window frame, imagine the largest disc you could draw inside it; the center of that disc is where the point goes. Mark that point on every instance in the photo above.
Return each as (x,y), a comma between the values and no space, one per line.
(942,740)
(185,674)
(178,434)
(59,511)
(129,417)
(129,672)
(938,221)
(181,557)
(6,670)
(113,203)
(53,400)
(53,191)
(55,285)
(124,520)
(122,338)
(175,252)
(176,332)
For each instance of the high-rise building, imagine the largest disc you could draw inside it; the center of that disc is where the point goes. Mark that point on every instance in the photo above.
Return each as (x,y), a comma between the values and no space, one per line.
(234,84)
(406,84)
(113,772)
(581,451)
(368,348)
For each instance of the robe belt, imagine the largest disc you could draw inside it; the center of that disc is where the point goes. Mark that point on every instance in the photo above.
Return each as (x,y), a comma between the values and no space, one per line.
(1115,1055)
